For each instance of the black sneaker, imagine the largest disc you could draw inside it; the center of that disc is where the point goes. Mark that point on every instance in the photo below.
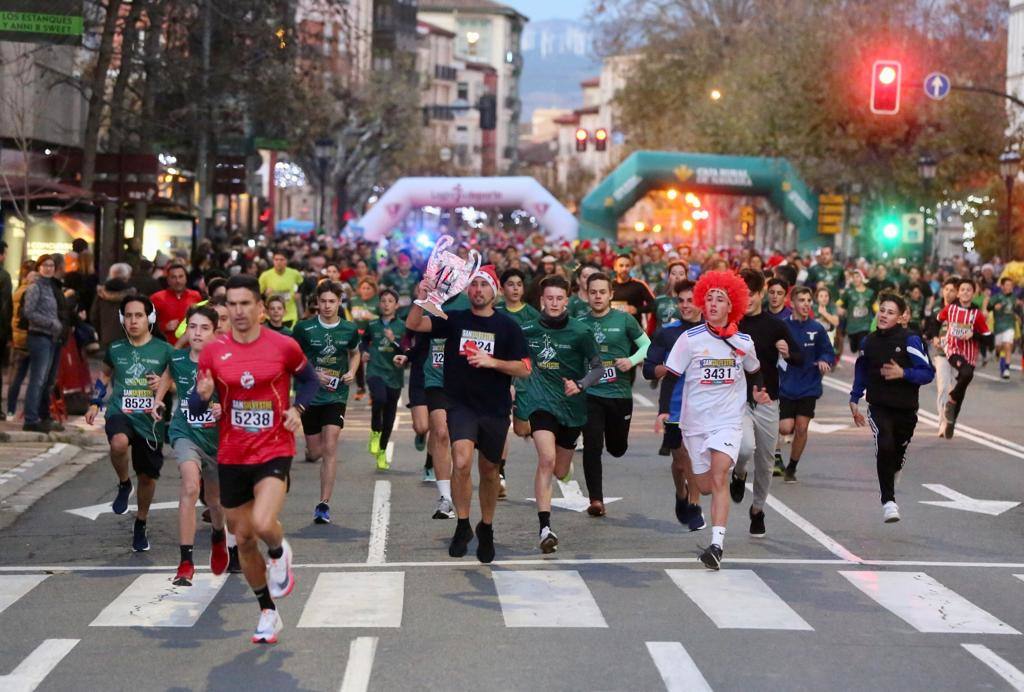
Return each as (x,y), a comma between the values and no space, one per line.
(712,557)
(120,503)
(234,564)
(50,425)
(664,451)
(757,529)
(683,511)
(33,427)
(140,541)
(420,442)
(789,477)
(737,488)
(950,419)
(460,541)
(484,543)
(696,521)
(780,466)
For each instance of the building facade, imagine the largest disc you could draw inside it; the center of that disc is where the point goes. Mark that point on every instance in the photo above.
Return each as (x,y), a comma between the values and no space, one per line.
(1015,60)
(438,77)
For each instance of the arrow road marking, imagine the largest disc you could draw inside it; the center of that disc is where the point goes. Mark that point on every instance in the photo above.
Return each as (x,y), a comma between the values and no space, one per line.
(572,497)
(94,511)
(956,500)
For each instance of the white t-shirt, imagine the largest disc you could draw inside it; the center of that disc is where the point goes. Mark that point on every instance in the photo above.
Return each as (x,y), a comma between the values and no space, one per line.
(714,383)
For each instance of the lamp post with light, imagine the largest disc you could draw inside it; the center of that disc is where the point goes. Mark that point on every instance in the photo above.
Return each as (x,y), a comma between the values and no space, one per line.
(927,168)
(1009,166)
(323,151)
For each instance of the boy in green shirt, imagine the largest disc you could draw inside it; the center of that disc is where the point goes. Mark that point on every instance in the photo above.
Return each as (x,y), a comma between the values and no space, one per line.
(385,363)
(1003,308)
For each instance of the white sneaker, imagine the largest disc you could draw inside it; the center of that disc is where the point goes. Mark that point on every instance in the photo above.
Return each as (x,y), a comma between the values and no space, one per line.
(548,540)
(444,509)
(280,578)
(269,625)
(503,490)
(890,512)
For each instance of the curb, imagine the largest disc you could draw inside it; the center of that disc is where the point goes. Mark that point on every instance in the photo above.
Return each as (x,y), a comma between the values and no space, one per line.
(43,473)
(79,439)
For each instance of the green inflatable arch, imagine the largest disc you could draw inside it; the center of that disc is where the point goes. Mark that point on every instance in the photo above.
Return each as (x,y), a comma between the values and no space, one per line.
(643,171)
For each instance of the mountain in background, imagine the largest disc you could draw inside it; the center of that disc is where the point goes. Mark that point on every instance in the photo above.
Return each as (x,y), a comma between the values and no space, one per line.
(557,56)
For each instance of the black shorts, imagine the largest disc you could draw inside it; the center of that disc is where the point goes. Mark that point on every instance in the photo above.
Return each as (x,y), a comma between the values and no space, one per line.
(145,459)
(436,399)
(791,408)
(237,481)
(488,432)
(565,437)
(673,437)
(317,417)
(417,396)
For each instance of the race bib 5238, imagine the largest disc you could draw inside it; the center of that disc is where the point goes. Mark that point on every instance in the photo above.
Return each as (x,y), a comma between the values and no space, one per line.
(252,416)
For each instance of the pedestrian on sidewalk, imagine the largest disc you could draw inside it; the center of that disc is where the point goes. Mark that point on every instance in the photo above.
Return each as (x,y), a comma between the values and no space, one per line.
(43,305)
(19,337)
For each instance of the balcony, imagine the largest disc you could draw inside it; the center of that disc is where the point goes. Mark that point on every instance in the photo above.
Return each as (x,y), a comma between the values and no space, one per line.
(445,72)
(437,113)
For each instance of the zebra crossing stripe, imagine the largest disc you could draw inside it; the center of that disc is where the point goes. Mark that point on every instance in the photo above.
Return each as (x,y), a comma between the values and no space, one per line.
(677,668)
(543,598)
(31,672)
(737,599)
(355,599)
(153,601)
(13,587)
(925,604)
(1003,668)
(360,664)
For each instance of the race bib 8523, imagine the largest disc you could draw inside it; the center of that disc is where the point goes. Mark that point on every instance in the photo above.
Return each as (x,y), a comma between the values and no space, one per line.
(137,401)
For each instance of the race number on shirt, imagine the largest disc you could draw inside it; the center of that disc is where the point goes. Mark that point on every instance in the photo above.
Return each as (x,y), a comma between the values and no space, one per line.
(252,416)
(332,384)
(715,371)
(202,420)
(958,330)
(609,373)
(484,341)
(620,305)
(860,311)
(137,401)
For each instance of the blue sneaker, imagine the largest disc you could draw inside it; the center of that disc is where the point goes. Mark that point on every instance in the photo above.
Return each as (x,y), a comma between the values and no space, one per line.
(140,541)
(696,521)
(322,514)
(428,476)
(420,442)
(124,491)
(683,512)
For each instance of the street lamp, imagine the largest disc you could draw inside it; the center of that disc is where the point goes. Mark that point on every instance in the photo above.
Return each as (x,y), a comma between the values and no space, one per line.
(716,95)
(1009,165)
(927,168)
(323,151)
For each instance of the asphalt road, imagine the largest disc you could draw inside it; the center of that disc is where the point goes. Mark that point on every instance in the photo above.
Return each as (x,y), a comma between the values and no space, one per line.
(832,598)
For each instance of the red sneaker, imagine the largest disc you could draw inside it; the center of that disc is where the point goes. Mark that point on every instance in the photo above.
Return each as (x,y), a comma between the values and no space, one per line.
(186,571)
(219,556)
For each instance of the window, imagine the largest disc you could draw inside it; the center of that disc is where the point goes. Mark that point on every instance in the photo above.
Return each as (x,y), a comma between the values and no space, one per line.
(463,91)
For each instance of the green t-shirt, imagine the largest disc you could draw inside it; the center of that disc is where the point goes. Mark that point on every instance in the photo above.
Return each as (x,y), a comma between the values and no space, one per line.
(283,329)
(859,311)
(285,285)
(130,393)
(200,429)
(578,308)
(615,333)
(383,350)
(526,313)
(433,366)
(1002,307)
(916,311)
(666,309)
(654,274)
(327,350)
(830,276)
(364,311)
(405,286)
(556,354)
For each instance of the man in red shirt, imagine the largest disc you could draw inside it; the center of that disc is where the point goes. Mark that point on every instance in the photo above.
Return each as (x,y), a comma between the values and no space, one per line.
(966,325)
(173,302)
(251,369)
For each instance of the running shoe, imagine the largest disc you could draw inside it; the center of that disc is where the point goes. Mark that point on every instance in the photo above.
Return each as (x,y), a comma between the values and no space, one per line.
(950,419)
(548,541)
(757,529)
(186,572)
(484,543)
(696,521)
(420,442)
(568,474)
(683,511)
(373,446)
(712,557)
(428,476)
(360,394)
(790,476)
(124,491)
(460,541)
(502,488)
(207,519)
(444,509)
(382,460)
(780,466)
(140,541)
(310,460)
(737,487)
(890,512)
(322,514)
(234,563)
(219,556)
(596,508)
(1006,374)
(280,577)
(268,627)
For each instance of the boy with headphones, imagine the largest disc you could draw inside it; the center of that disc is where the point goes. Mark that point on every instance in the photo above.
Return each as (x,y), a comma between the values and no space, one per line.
(132,369)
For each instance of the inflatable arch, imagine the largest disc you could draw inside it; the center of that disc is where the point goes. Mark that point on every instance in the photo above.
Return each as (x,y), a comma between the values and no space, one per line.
(518,192)
(642,171)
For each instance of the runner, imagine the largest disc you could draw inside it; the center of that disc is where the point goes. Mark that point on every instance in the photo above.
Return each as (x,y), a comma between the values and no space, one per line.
(826,272)
(483,351)
(579,302)
(1003,306)
(800,384)
(772,341)
(172,303)
(403,279)
(856,306)
(194,441)
(251,370)
(417,348)
(132,369)
(628,294)
(666,307)
(778,293)
(688,510)
(935,332)
(275,315)
(892,367)
(385,363)
(967,326)
(364,308)
(283,281)
(565,362)
(330,344)
(715,359)
(622,346)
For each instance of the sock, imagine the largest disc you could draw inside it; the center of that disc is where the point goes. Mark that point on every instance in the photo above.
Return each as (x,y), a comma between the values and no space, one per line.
(429,463)
(140,522)
(463,524)
(792,464)
(545,519)
(275,553)
(484,530)
(1002,364)
(125,483)
(444,489)
(216,535)
(263,596)
(717,535)
(231,539)
(186,553)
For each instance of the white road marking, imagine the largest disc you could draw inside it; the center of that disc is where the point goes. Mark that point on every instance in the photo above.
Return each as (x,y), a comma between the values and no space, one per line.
(678,670)
(956,500)
(94,511)
(355,599)
(737,599)
(31,672)
(360,664)
(14,587)
(832,545)
(389,451)
(546,598)
(642,400)
(379,520)
(1003,668)
(572,497)
(826,428)
(153,601)
(925,604)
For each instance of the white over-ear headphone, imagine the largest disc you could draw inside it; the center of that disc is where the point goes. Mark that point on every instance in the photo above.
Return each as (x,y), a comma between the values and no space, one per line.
(150,310)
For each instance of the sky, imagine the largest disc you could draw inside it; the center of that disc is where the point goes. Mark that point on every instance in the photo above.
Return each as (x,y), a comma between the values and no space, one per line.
(550,9)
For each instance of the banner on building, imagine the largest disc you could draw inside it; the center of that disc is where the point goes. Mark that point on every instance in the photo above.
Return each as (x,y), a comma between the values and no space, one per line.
(41,21)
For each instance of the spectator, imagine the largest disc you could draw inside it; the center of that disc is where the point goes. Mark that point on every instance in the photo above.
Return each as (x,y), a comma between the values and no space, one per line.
(172,303)
(83,280)
(108,297)
(143,281)
(6,312)
(19,337)
(44,304)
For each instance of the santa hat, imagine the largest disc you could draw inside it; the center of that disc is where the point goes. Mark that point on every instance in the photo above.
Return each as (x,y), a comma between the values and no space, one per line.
(729,283)
(487,273)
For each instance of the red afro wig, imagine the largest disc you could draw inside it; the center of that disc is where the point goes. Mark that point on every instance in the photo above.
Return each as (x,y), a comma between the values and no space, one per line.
(732,284)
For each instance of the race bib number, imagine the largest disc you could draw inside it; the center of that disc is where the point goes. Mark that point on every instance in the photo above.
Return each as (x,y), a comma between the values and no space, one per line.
(715,371)
(860,311)
(137,402)
(484,342)
(333,382)
(609,374)
(257,416)
(437,359)
(202,420)
(620,305)
(959,331)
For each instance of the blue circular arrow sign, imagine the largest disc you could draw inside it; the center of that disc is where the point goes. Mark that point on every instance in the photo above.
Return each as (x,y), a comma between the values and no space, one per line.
(936,86)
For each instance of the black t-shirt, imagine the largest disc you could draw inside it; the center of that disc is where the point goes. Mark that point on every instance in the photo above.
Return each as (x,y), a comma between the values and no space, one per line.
(766,330)
(635,293)
(483,389)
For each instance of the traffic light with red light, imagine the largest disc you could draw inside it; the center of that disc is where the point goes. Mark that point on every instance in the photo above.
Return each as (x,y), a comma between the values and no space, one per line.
(885,87)
(601,139)
(581,139)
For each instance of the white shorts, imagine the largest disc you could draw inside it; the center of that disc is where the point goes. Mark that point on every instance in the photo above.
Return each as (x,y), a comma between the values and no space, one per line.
(700,446)
(1004,337)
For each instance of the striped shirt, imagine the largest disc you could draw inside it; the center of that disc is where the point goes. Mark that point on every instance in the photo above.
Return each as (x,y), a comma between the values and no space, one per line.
(959,338)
